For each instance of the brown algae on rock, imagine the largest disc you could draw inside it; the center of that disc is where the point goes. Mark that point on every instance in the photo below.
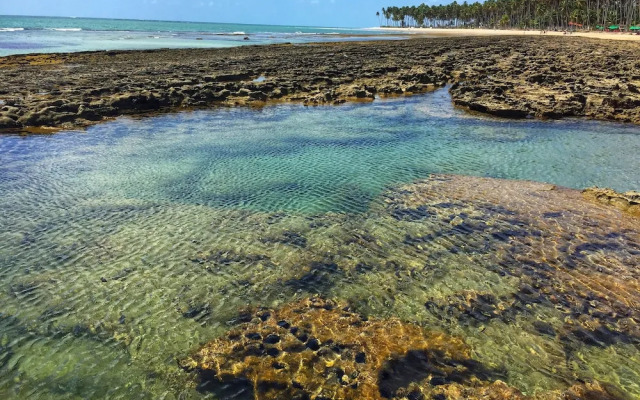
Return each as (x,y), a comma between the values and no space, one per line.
(565,273)
(320,349)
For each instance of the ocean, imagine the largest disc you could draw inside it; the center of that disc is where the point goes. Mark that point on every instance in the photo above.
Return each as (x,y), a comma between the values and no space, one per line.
(22,34)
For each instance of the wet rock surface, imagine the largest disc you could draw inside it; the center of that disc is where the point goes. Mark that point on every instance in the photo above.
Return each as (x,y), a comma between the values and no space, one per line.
(519,77)
(628,202)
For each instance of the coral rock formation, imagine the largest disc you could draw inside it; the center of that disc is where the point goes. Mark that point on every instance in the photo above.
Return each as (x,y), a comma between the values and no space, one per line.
(512,77)
(628,202)
(319,349)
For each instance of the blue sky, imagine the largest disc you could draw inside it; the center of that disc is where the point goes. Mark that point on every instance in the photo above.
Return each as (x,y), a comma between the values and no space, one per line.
(344,13)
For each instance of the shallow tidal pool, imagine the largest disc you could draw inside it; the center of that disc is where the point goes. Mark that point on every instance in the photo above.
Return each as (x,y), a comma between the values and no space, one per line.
(125,248)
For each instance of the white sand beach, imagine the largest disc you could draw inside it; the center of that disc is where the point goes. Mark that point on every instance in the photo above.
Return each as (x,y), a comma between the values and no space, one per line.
(452,32)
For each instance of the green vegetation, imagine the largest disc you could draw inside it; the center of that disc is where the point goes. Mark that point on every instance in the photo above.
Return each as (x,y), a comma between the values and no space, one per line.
(539,14)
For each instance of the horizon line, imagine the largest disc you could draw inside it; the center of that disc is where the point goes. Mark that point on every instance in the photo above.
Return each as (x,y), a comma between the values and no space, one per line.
(178,21)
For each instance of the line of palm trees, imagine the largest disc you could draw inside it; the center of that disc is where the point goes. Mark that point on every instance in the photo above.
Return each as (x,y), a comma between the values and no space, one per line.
(539,14)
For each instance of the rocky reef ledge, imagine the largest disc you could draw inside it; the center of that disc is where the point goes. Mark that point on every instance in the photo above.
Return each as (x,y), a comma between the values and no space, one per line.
(320,349)
(628,202)
(512,77)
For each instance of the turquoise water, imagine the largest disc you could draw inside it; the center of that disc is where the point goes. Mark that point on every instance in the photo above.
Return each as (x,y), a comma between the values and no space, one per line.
(19,34)
(319,159)
(125,247)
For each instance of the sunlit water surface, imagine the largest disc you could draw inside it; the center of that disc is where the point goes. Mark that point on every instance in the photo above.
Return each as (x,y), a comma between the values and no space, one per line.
(124,247)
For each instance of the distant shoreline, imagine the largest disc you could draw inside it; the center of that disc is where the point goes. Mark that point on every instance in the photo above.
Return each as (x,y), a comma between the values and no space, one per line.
(458,32)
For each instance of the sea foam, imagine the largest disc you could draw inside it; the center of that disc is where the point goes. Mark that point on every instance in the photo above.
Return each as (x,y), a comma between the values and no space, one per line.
(64,29)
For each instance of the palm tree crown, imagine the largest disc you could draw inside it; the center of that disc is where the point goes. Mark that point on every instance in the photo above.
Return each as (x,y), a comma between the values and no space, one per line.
(541,14)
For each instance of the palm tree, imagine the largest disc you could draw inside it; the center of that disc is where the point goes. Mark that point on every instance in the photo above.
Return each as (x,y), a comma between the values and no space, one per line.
(543,14)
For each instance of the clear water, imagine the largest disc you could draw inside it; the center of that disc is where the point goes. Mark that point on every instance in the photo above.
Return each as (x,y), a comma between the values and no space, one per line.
(111,240)
(311,160)
(21,34)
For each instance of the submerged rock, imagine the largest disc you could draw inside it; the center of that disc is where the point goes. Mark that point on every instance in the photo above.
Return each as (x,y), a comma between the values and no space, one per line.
(320,349)
(591,279)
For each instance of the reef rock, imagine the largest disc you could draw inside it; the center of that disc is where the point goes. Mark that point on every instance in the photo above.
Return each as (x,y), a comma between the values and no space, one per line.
(319,349)
(510,77)
(628,202)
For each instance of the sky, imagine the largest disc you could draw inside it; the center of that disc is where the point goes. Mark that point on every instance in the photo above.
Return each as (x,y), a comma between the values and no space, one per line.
(329,13)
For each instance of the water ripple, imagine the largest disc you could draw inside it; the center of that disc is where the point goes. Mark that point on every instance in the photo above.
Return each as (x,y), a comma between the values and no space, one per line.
(126,247)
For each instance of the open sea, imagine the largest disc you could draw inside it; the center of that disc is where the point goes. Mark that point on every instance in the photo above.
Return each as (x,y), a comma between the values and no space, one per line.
(21,34)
